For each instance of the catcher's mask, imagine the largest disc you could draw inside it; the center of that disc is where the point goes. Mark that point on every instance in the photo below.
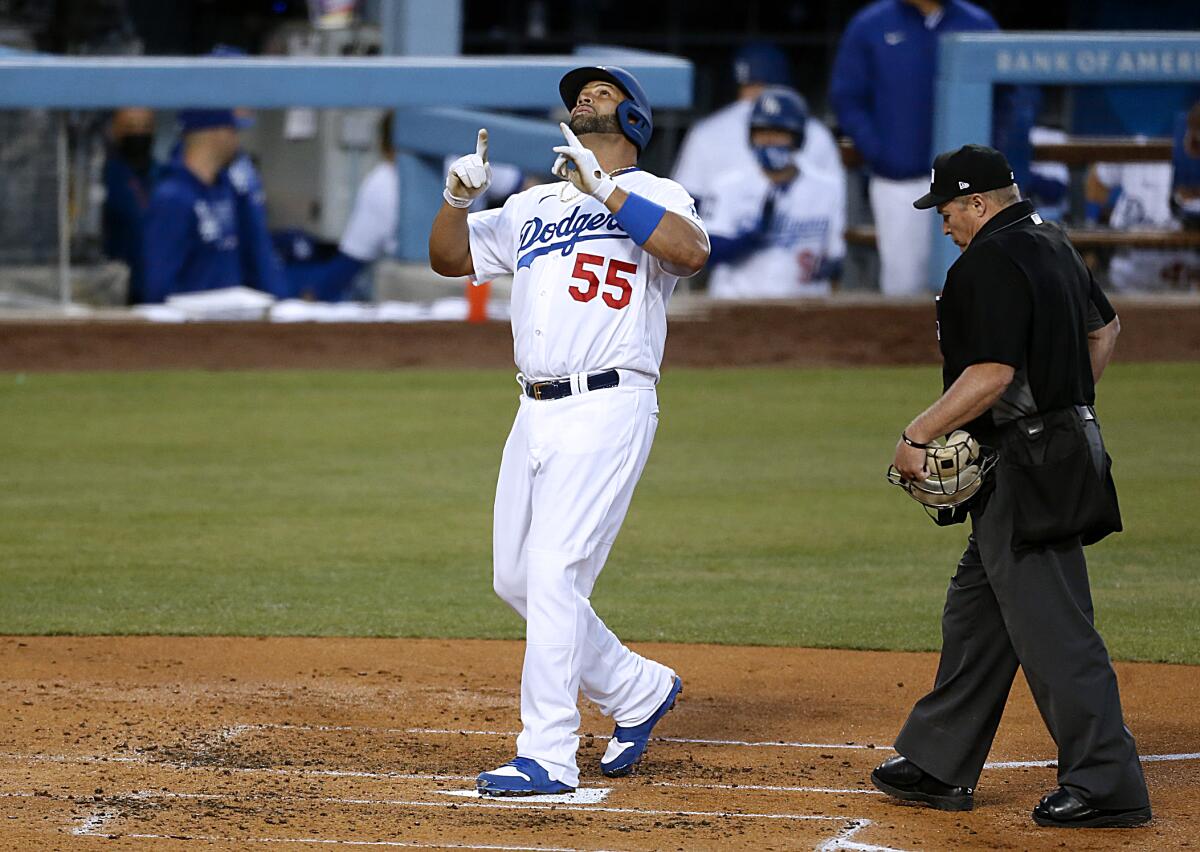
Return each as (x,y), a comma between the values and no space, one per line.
(956,467)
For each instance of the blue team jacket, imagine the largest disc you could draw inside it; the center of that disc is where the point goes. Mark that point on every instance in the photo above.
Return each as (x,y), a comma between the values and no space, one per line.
(261,266)
(191,235)
(882,81)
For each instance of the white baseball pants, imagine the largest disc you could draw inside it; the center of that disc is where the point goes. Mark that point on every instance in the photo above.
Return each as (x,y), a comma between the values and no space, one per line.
(566,479)
(904,235)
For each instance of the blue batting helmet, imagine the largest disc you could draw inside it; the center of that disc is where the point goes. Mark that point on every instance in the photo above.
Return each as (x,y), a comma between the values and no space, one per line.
(781,108)
(633,114)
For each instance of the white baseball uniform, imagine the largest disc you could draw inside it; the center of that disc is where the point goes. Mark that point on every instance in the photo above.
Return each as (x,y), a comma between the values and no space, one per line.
(807,229)
(1144,203)
(720,143)
(370,232)
(585,299)
(903,234)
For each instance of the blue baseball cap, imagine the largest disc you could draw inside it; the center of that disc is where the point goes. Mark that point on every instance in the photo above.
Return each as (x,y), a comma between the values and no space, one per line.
(206,119)
(762,62)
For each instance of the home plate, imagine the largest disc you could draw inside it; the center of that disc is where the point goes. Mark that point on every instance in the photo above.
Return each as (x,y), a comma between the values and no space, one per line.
(582,796)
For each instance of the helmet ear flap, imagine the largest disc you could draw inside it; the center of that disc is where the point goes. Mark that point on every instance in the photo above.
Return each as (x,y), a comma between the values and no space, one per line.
(633,123)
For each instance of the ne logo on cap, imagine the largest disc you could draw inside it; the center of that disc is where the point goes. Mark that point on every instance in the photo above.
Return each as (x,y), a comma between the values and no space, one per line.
(971,168)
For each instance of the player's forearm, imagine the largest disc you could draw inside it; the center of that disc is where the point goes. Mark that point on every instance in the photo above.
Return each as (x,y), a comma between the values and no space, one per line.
(972,393)
(450,243)
(674,240)
(1101,344)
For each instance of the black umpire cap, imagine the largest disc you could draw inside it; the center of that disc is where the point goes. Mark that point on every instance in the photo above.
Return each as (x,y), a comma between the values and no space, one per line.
(970,169)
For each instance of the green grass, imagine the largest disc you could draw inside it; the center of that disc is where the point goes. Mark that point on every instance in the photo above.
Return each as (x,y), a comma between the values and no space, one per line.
(357,503)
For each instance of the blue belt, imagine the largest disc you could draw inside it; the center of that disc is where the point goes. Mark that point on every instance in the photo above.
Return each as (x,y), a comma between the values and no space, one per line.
(558,388)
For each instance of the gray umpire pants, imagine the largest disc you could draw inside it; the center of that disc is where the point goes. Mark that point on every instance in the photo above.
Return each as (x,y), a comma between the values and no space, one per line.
(1031,609)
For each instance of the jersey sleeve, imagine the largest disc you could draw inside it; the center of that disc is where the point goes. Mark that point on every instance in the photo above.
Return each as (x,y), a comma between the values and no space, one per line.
(491,234)
(1100,310)
(166,244)
(852,91)
(676,199)
(260,264)
(997,308)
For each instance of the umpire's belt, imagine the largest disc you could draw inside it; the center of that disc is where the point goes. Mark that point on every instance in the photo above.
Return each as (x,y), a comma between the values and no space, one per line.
(558,388)
(1033,425)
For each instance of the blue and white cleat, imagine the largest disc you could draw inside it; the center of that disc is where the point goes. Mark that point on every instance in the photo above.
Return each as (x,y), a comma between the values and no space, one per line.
(521,776)
(627,745)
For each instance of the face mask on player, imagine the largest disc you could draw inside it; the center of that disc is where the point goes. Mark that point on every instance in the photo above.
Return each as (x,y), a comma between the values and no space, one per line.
(136,150)
(774,158)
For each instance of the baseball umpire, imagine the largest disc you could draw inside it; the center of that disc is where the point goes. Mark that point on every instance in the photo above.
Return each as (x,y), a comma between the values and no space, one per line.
(594,258)
(1025,333)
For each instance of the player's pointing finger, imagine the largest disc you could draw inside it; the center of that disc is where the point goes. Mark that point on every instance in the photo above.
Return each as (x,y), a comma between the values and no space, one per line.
(481,144)
(569,135)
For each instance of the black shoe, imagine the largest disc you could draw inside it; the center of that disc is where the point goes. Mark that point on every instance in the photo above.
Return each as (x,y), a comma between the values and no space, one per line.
(900,777)
(1062,810)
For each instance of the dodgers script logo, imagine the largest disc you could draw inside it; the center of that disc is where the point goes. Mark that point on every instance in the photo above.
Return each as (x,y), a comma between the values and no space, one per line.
(539,238)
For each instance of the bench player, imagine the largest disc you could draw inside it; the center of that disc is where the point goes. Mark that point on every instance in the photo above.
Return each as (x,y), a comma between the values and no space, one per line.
(777,225)
(594,257)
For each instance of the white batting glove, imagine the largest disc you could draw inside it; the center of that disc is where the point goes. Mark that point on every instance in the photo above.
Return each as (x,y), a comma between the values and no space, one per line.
(580,166)
(469,176)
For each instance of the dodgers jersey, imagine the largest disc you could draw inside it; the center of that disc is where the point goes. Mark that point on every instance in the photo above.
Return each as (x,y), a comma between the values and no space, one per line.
(806,231)
(720,143)
(585,297)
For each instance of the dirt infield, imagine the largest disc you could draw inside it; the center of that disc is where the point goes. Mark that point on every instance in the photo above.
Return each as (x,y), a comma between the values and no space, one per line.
(838,333)
(155,743)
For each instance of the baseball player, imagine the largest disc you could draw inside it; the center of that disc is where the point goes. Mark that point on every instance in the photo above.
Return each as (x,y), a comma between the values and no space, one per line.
(881,87)
(262,267)
(777,226)
(718,143)
(594,257)
(191,236)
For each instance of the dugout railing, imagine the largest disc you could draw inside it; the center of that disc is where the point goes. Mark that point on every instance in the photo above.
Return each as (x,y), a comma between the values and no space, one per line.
(438,102)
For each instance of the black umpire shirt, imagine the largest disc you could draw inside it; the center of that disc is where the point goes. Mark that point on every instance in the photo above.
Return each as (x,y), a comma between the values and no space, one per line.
(1021,295)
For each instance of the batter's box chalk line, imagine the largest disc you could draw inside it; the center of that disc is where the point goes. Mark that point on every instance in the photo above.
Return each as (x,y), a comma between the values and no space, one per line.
(233,731)
(94,824)
(680,740)
(1002,764)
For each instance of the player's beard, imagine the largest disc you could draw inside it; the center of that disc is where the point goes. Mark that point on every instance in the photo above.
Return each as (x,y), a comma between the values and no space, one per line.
(591,122)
